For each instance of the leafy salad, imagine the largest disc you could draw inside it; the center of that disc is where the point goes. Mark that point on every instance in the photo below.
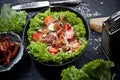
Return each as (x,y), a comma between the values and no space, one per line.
(98,69)
(56,36)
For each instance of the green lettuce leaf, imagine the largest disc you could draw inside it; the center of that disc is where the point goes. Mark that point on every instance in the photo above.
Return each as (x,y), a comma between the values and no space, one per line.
(39,51)
(11,20)
(98,69)
(72,73)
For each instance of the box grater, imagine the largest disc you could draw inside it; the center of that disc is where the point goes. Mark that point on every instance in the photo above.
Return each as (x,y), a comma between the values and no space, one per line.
(110,40)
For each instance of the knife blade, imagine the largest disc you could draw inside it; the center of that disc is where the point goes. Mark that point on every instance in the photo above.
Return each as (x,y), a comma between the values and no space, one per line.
(41,4)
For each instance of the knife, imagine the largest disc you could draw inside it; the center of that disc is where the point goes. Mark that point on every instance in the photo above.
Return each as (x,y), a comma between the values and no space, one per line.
(41,4)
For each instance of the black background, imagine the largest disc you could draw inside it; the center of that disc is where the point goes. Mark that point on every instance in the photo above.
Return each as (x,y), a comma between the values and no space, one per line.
(26,68)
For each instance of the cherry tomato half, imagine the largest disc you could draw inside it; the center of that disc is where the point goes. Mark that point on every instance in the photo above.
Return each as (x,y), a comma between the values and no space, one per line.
(74,45)
(53,49)
(48,20)
(36,36)
(67,26)
(70,34)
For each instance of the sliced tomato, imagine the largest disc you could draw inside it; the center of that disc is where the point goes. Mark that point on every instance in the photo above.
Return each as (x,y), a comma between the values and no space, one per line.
(67,26)
(36,36)
(70,34)
(74,45)
(53,50)
(48,20)
(53,54)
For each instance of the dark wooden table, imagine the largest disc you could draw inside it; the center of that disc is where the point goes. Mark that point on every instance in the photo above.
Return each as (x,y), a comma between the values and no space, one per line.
(26,68)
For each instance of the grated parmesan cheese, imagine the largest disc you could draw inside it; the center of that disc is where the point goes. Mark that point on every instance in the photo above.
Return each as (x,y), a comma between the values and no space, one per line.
(85,11)
(95,48)
(101,2)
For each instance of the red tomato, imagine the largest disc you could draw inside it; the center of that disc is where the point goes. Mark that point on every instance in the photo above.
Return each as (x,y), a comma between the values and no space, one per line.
(53,54)
(48,20)
(53,49)
(67,26)
(74,45)
(70,34)
(36,36)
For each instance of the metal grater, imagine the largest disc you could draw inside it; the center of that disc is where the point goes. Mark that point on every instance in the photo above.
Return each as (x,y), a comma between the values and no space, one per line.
(111,37)
(114,22)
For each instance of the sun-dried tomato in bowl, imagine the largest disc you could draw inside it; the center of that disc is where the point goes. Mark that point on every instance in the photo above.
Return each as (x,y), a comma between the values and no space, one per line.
(8,50)
(11,50)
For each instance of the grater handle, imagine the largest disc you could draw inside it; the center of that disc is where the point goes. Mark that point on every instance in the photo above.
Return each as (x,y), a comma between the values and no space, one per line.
(114,16)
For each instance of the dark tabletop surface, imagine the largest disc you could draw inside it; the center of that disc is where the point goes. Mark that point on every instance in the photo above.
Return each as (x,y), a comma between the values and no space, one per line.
(26,69)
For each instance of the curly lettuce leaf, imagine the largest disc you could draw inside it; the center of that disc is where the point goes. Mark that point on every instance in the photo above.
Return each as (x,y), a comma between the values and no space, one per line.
(39,51)
(98,69)
(11,20)
(72,73)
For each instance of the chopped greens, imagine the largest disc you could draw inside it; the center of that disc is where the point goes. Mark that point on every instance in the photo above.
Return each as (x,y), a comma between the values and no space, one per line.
(98,69)
(10,20)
